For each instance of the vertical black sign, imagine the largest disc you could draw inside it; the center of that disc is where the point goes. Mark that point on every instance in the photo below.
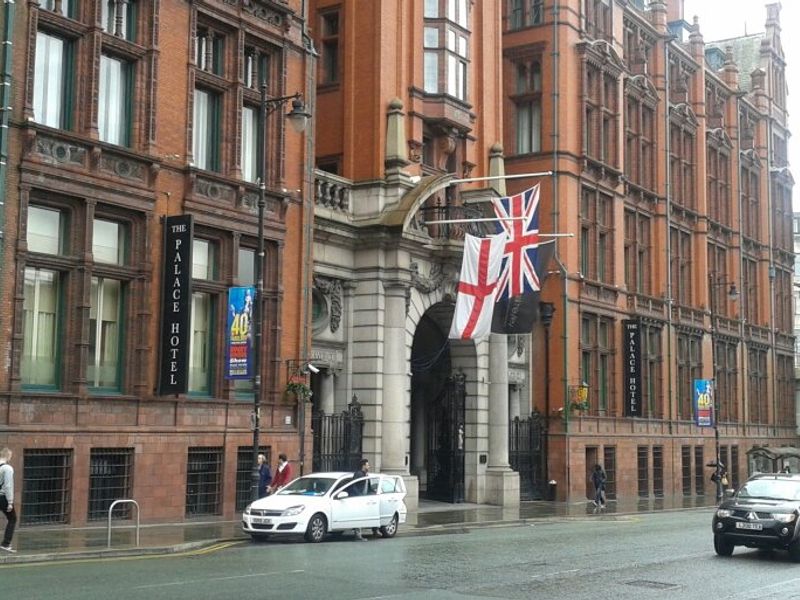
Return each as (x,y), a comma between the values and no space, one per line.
(176,305)
(632,372)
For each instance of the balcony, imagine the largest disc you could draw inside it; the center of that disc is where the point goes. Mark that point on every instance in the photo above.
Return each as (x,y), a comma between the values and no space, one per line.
(332,192)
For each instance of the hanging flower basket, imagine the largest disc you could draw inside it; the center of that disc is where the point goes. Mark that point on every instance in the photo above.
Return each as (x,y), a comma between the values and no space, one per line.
(297,390)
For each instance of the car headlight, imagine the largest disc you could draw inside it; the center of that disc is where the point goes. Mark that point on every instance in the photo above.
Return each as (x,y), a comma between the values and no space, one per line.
(293,510)
(247,509)
(784,517)
(723,513)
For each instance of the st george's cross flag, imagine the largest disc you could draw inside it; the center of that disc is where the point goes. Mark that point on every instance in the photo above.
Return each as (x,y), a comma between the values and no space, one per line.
(525,257)
(476,286)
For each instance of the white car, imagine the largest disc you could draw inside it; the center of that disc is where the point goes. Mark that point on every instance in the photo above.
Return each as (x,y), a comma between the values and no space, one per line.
(322,503)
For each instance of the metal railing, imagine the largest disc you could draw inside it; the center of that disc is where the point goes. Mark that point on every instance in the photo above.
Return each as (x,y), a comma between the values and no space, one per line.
(111,508)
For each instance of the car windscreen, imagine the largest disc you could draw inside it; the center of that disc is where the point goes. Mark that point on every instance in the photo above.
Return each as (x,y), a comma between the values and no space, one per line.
(308,486)
(771,489)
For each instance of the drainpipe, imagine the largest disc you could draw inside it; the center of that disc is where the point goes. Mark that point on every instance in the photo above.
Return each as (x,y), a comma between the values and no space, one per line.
(308,201)
(741,413)
(5,108)
(771,270)
(555,216)
(668,240)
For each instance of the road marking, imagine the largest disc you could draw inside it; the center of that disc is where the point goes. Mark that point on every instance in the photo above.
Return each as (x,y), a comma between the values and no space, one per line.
(555,573)
(80,561)
(193,581)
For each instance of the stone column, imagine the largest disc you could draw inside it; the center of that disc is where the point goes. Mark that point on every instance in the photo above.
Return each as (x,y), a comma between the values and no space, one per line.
(395,421)
(326,392)
(513,401)
(502,484)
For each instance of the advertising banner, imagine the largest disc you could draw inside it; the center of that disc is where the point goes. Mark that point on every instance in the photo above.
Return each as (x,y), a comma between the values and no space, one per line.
(704,402)
(239,333)
(176,298)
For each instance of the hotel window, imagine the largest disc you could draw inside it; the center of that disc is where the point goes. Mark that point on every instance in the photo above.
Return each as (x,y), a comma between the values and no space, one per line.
(256,67)
(681,265)
(209,48)
(524,13)
(598,18)
(329,62)
(686,470)
(757,383)
(528,107)
(637,252)
(204,482)
(113,114)
(681,156)
(46,486)
(201,345)
(601,116)
(658,471)
(750,191)
(597,362)
(699,472)
(610,466)
(446,48)
(690,367)
(205,131)
(45,230)
(109,242)
(749,298)
(643,470)
(51,81)
(718,182)
(597,236)
(105,334)
(118,18)
(726,374)
(65,8)
(250,144)
(652,373)
(40,316)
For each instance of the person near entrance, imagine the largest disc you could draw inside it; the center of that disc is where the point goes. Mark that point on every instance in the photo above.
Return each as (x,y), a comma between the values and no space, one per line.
(7,498)
(283,474)
(360,490)
(264,476)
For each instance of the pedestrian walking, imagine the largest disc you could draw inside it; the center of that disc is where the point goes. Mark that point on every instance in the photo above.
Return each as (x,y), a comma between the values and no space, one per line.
(7,498)
(599,482)
(264,476)
(283,474)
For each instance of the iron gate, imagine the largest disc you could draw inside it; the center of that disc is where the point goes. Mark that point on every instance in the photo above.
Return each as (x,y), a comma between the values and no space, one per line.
(446,442)
(337,439)
(526,441)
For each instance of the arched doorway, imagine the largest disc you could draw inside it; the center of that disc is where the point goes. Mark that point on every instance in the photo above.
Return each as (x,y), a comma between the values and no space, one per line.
(437,410)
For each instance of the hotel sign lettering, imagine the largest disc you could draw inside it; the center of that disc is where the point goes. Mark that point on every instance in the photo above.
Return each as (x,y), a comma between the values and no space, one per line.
(632,371)
(176,300)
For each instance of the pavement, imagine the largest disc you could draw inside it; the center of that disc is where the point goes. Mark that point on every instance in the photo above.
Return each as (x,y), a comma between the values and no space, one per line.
(64,543)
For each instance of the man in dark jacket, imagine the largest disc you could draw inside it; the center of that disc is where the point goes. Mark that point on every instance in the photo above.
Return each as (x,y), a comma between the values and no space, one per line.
(264,476)
(360,489)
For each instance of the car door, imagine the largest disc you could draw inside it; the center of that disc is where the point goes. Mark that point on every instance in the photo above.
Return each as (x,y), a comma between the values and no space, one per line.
(388,499)
(356,505)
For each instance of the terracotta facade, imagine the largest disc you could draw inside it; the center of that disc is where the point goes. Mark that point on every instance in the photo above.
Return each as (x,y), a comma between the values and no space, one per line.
(141,115)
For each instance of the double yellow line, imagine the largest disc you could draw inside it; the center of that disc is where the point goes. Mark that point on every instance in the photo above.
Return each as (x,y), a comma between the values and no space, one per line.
(78,561)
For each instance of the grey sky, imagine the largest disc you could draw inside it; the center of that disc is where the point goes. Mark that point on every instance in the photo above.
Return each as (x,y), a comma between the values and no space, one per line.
(721,19)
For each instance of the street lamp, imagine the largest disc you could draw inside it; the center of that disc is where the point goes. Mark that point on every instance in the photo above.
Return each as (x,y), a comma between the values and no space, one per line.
(733,295)
(546,312)
(298,117)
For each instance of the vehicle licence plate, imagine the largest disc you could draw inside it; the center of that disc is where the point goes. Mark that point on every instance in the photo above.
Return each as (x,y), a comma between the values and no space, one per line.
(262,521)
(752,526)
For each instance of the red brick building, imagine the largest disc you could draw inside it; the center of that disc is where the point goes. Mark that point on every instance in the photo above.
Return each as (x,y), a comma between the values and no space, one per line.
(669,154)
(125,113)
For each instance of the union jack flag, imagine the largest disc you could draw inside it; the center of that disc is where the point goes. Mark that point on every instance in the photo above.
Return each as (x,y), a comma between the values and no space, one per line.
(518,271)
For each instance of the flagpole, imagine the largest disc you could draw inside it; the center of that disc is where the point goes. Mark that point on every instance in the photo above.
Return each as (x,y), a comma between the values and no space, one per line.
(493,177)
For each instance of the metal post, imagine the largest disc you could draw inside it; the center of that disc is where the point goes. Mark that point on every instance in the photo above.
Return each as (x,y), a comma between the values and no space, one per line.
(717,465)
(546,310)
(258,308)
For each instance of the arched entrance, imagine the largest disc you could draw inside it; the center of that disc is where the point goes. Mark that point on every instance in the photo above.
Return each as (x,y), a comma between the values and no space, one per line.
(438,427)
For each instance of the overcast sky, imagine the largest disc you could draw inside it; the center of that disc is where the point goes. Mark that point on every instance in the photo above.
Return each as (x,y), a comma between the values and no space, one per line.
(721,19)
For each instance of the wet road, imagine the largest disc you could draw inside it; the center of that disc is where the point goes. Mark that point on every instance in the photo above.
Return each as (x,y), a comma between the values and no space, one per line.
(663,556)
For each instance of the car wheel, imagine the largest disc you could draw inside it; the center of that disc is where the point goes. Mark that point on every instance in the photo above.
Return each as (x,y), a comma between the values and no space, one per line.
(721,546)
(389,530)
(316,529)
(794,551)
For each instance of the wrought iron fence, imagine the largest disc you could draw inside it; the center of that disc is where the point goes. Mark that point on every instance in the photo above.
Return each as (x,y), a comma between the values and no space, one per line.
(337,439)
(526,445)
(110,478)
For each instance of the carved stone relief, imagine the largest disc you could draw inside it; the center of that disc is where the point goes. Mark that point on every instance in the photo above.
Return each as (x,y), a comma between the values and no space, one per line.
(332,291)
